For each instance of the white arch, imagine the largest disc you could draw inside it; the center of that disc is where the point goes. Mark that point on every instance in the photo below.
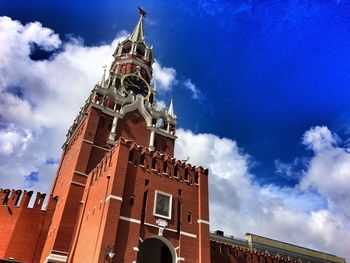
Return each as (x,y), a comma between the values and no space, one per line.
(137,104)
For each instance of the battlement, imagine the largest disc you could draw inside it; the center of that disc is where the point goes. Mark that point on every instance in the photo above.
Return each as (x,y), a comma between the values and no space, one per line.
(265,251)
(153,162)
(22,199)
(223,249)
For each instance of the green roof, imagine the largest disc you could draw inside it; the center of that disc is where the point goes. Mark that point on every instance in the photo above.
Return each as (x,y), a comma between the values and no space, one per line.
(138,35)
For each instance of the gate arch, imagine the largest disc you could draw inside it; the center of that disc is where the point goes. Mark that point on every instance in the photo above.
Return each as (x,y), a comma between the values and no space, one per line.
(156,249)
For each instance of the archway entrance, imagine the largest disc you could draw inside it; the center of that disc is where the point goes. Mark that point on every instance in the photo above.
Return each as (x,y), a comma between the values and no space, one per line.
(155,250)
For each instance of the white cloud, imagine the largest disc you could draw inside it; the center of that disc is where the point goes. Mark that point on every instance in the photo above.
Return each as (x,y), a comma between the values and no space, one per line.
(196,93)
(238,204)
(319,138)
(329,170)
(12,142)
(165,77)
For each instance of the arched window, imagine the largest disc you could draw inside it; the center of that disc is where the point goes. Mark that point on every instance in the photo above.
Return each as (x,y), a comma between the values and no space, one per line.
(126,47)
(140,50)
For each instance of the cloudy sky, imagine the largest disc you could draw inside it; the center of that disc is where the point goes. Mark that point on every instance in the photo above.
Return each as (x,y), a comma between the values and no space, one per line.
(268,85)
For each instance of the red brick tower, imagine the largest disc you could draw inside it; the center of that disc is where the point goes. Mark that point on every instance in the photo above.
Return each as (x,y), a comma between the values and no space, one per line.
(122,197)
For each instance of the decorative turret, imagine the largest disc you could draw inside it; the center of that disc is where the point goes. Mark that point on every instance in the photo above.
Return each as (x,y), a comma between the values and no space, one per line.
(138,35)
(103,80)
(126,90)
(133,55)
(171,109)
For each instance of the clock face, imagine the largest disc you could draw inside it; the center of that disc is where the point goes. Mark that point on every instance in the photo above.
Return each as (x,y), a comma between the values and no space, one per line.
(136,84)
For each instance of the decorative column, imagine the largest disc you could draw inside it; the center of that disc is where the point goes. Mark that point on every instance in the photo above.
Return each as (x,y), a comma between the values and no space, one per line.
(151,140)
(114,128)
(146,54)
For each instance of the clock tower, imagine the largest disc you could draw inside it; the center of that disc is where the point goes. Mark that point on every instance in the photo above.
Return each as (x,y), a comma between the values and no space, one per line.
(122,197)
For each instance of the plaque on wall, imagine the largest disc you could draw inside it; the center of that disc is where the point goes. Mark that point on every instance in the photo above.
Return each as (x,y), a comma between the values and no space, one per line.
(162,204)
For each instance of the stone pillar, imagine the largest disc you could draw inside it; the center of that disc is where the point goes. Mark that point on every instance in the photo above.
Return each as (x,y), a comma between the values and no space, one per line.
(151,140)
(114,128)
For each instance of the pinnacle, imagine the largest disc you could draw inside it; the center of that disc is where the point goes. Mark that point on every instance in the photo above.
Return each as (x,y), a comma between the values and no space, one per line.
(138,34)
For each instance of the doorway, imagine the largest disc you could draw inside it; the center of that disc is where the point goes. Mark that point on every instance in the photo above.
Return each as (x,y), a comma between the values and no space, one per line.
(156,250)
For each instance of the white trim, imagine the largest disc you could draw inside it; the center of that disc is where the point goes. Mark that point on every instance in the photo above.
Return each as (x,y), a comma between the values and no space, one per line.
(94,145)
(155,204)
(180,259)
(188,234)
(169,229)
(203,222)
(114,197)
(56,258)
(76,183)
(99,147)
(141,239)
(132,220)
(87,141)
(137,104)
(80,173)
(135,248)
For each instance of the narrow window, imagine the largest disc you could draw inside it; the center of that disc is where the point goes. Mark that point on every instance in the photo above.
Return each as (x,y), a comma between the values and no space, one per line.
(165,167)
(189,217)
(132,200)
(110,125)
(212,245)
(186,174)
(144,202)
(175,171)
(19,194)
(154,163)
(196,177)
(131,155)
(101,123)
(7,197)
(142,159)
(179,209)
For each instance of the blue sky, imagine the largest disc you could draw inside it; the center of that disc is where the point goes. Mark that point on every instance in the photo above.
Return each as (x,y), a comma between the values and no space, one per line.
(265,82)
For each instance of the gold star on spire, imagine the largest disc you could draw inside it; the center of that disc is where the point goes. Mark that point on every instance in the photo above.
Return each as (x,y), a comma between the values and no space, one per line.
(142,11)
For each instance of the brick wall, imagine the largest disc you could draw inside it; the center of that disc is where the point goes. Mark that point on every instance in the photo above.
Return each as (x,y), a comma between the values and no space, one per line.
(22,229)
(116,215)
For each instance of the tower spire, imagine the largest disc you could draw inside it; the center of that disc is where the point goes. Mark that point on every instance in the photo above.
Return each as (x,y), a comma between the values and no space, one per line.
(171,109)
(138,34)
(103,80)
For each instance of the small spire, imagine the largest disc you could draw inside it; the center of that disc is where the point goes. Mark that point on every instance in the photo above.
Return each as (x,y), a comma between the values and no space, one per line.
(103,80)
(138,35)
(171,109)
